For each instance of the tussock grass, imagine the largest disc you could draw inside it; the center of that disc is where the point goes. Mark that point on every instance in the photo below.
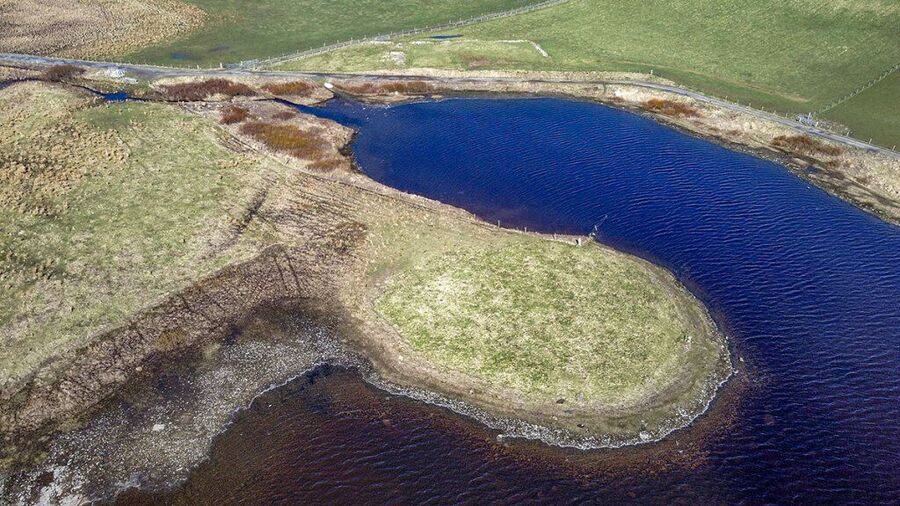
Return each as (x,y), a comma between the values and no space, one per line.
(201,90)
(134,195)
(92,29)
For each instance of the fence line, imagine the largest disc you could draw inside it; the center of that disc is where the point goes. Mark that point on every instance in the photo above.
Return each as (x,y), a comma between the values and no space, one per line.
(268,62)
(859,90)
(802,119)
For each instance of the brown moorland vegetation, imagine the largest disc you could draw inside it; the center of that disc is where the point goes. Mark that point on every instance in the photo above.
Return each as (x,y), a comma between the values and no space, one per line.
(310,144)
(285,115)
(329,164)
(805,144)
(294,88)
(234,114)
(403,87)
(92,29)
(200,90)
(669,107)
(62,72)
(288,139)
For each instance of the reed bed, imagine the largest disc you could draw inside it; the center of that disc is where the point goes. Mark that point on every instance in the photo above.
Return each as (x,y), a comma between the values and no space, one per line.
(288,139)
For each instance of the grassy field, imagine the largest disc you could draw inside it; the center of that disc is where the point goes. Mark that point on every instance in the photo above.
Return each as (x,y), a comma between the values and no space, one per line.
(794,56)
(547,320)
(881,101)
(236,30)
(107,209)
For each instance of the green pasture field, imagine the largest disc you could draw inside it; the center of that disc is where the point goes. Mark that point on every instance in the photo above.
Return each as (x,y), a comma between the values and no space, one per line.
(237,30)
(793,56)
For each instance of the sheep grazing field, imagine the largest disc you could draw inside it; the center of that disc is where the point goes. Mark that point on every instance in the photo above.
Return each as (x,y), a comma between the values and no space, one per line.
(794,55)
(236,31)
(92,29)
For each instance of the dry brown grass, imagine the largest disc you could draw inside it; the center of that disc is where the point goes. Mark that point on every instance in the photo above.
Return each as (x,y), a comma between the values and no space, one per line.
(370,88)
(669,108)
(62,72)
(201,90)
(92,29)
(284,115)
(329,164)
(234,114)
(292,88)
(805,144)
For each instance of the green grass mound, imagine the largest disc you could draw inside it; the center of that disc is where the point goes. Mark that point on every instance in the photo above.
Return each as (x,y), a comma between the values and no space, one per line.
(550,320)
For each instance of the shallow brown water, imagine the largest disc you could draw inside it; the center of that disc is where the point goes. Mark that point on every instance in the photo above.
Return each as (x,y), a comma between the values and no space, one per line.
(331,438)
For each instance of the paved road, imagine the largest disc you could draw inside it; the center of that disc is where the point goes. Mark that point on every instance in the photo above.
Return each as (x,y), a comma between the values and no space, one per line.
(150,72)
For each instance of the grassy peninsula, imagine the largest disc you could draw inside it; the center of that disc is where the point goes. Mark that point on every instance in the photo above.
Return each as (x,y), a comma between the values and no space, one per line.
(549,320)
(165,223)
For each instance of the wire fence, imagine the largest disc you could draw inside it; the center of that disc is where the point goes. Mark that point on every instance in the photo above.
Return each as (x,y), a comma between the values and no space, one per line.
(268,62)
(859,90)
(808,121)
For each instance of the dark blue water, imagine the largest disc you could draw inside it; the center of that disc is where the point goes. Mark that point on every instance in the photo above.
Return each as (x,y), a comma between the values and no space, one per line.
(118,96)
(806,285)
